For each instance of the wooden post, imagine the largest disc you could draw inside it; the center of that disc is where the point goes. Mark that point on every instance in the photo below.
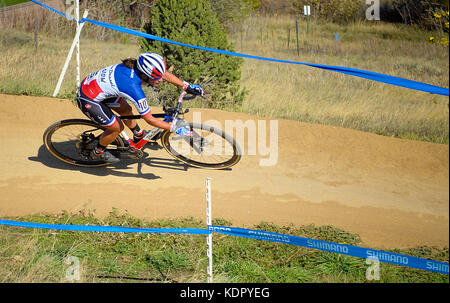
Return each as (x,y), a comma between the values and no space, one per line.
(36,32)
(296,31)
(307,24)
(261,32)
(289,36)
(307,13)
(242,48)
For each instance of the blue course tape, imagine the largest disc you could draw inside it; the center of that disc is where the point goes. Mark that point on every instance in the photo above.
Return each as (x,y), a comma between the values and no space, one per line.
(382,256)
(345,70)
(106,228)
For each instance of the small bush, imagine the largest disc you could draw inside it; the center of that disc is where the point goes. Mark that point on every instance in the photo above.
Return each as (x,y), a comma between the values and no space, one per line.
(193,22)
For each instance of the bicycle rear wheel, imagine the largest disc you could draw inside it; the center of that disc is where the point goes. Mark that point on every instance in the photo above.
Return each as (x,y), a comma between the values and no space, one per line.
(208,147)
(72,140)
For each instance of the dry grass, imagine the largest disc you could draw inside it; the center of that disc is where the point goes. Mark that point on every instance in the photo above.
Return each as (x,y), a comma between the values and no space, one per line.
(303,93)
(26,70)
(279,90)
(23,261)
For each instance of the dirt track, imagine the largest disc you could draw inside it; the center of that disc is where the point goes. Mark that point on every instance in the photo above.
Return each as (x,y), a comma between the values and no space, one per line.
(393,193)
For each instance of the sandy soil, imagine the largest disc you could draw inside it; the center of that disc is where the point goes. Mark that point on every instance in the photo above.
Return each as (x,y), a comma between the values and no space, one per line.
(393,193)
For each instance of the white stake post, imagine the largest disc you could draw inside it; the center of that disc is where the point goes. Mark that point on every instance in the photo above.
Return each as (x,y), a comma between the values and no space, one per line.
(307,12)
(209,237)
(78,45)
(69,56)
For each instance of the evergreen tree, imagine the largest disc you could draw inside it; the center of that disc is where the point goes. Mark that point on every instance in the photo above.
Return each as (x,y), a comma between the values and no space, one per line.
(193,22)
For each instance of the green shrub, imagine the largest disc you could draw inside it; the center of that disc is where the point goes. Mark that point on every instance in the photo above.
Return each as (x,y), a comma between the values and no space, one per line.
(194,23)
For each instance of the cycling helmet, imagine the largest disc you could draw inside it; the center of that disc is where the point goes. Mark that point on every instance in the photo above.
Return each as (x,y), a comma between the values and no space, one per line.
(151,64)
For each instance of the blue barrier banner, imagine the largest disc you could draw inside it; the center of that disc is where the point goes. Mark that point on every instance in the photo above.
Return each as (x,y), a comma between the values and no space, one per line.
(106,228)
(345,70)
(354,251)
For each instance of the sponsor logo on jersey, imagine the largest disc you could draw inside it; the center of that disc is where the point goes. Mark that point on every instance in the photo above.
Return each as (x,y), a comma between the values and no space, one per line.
(92,90)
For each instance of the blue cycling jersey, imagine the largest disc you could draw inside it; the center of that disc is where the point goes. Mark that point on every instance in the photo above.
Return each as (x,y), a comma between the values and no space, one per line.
(116,81)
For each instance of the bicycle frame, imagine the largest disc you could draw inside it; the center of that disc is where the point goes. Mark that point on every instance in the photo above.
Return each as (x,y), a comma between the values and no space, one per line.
(155,131)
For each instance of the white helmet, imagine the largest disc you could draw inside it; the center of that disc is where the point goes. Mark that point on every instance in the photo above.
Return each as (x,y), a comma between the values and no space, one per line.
(151,64)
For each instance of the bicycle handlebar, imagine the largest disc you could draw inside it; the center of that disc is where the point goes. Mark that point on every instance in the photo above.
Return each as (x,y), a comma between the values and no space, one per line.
(183,97)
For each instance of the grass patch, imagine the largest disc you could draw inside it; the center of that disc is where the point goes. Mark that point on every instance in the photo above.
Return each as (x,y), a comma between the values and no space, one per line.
(34,255)
(11,2)
(278,90)
(311,95)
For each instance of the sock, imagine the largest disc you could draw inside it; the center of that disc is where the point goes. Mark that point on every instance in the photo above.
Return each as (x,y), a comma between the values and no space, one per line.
(137,130)
(138,134)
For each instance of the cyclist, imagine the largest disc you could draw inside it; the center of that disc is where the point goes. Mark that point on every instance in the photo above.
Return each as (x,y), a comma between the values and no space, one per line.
(108,89)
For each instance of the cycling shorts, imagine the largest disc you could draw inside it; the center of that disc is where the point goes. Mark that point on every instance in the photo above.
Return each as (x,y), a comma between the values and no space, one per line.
(99,112)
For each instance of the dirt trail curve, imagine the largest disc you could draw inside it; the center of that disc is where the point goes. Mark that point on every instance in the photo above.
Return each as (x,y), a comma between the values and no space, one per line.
(392,192)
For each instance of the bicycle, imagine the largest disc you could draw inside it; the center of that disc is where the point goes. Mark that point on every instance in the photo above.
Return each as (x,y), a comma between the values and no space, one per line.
(72,140)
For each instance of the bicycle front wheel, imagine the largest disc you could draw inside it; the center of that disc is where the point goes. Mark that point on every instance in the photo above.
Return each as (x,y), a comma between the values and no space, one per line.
(207,147)
(72,140)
